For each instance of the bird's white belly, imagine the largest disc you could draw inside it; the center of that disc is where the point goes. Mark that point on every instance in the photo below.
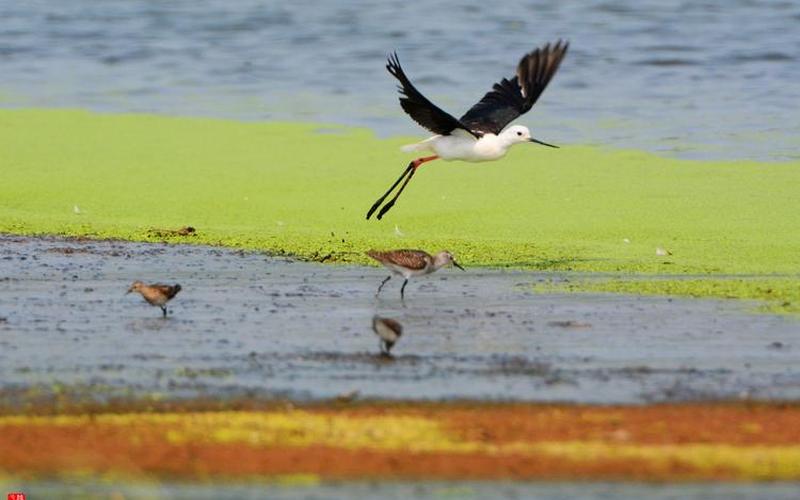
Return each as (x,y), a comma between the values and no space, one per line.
(409,273)
(458,147)
(386,333)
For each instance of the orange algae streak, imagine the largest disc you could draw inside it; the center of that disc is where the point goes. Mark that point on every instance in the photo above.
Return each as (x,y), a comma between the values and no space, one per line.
(417,441)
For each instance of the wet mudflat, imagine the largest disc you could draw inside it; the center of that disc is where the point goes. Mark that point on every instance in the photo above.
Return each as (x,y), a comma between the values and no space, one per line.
(402,490)
(251,325)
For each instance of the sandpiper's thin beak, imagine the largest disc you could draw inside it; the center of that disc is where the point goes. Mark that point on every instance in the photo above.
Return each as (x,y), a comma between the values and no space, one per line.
(458,265)
(129,291)
(537,141)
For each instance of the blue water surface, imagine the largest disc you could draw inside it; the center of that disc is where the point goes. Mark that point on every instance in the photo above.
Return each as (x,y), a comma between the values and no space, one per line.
(693,79)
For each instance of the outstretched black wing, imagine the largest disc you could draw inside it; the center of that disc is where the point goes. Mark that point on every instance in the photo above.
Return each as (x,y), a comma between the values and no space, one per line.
(511,98)
(419,107)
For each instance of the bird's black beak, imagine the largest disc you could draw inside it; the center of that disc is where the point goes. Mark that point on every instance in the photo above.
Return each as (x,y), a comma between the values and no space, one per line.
(537,141)
(458,265)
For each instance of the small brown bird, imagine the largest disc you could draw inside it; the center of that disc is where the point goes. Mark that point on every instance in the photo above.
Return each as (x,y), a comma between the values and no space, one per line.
(156,294)
(389,332)
(409,263)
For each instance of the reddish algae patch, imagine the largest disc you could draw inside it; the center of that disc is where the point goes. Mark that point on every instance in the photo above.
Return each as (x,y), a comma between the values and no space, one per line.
(414,441)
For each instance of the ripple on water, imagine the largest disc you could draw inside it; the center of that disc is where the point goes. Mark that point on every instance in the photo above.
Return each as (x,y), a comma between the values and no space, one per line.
(328,62)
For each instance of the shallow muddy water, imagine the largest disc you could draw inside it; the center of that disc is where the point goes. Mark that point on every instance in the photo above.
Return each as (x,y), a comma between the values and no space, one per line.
(403,490)
(246,324)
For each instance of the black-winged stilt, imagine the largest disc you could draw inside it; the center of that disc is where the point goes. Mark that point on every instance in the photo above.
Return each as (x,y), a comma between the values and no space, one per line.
(481,134)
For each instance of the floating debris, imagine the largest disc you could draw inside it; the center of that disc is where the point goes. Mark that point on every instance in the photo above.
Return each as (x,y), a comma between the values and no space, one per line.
(167,233)
(347,397)
(661,252)
(569,324)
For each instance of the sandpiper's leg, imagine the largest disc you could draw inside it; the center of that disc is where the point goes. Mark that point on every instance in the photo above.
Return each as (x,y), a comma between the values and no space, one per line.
(403,288)
(382,283)
(375,206)
(164,310)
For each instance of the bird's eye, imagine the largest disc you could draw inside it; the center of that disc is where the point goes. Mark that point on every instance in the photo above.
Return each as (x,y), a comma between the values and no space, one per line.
(519,134)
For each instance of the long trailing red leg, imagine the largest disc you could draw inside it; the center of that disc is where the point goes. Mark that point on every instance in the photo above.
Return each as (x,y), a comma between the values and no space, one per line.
(407,174)
(419,161)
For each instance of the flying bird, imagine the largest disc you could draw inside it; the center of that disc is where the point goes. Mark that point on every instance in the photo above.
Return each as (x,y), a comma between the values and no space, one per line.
(481,134)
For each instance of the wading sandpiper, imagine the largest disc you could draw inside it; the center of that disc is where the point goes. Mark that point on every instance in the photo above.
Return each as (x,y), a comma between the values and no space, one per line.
(410,263)
(156,294)
(481,134)
(388,331)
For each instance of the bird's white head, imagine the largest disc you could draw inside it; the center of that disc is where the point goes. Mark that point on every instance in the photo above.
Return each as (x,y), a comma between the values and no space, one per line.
(520,133)
(445,258)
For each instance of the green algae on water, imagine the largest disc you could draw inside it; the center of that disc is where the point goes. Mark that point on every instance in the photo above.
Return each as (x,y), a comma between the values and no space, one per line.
(289,189)
(771,294)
